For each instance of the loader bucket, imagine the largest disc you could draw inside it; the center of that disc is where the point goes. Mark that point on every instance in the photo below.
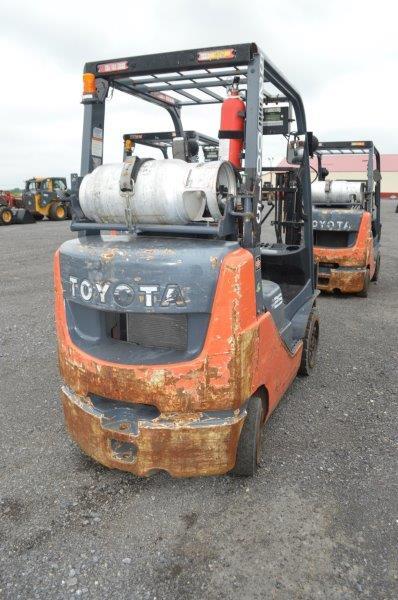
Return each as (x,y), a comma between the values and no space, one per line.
(22,217)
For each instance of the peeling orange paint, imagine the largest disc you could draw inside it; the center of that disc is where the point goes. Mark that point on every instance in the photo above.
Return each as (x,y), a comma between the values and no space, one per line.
(169,444)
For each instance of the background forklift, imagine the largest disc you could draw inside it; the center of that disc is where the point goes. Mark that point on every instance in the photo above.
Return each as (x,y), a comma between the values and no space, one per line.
(47,197)
(196,143)
(178,329)
(346,221)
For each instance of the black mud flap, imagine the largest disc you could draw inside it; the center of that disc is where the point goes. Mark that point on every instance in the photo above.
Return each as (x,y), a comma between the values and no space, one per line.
(22,217)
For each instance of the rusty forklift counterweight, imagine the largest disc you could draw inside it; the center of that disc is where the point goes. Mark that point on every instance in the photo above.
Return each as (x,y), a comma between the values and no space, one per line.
(178,329)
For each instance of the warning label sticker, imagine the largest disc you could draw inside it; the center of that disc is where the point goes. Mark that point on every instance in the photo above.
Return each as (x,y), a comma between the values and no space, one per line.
(96,142)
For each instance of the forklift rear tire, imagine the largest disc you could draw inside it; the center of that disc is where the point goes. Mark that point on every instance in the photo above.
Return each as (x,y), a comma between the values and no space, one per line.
(364,292)
(377,269)
(38,216)
(57,212)
(249,446)
(6,216)
(310,344)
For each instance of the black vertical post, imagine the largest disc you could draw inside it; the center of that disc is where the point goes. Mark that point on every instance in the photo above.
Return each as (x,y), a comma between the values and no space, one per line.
(369,195)
(307,211)
(377,192)
(253,167)
(319,159)
(93,137)
(175,114)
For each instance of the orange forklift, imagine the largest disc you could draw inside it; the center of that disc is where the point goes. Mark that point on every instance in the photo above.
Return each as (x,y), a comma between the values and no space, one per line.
(346,222)
(178,329)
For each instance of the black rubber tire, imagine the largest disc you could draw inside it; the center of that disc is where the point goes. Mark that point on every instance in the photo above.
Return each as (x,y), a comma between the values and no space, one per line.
(6,215)
(364,292)
(38,216)
(54,212)
(377,269)
(310,344)
(249,445)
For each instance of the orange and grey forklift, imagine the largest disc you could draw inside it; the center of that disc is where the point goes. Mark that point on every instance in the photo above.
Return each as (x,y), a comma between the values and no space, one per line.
(179,330)
(47,197)
(346,222)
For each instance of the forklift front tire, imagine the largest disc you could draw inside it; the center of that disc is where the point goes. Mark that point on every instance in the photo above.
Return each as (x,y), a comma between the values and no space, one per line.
(377,269)
(364,291)
(57,212)
(249,445)
(310,344)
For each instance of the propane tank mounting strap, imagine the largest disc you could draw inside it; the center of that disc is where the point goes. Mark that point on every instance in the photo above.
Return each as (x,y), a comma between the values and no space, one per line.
(230,135)
(126,178)
(129,173)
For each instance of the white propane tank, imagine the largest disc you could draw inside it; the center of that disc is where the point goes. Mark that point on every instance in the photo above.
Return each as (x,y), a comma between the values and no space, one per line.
(167,192)
(337,192)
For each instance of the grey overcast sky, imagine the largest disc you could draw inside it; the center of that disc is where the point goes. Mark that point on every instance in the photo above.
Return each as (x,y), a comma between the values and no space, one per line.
(342,56)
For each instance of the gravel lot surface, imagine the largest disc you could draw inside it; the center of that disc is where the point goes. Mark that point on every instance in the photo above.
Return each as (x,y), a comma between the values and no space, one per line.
(320,520)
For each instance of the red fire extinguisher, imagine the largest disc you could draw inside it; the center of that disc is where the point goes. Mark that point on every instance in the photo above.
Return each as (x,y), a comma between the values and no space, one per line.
(232,127)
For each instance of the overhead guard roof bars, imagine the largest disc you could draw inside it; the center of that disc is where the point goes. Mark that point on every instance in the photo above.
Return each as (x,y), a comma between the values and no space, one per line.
(152,77)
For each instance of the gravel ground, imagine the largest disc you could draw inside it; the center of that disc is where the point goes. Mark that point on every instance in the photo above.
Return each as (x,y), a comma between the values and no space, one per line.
(320,520)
